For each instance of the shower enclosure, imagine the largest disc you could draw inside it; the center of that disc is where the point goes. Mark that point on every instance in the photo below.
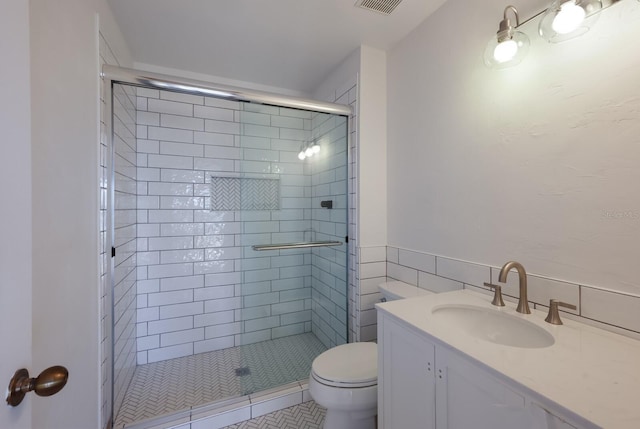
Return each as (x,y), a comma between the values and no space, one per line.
(228,222)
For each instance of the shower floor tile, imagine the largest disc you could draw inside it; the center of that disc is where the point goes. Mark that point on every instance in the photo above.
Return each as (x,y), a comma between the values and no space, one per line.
(307,415)
(179,384)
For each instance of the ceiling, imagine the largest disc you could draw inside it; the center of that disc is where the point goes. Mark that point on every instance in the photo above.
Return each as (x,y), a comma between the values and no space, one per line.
(292,44)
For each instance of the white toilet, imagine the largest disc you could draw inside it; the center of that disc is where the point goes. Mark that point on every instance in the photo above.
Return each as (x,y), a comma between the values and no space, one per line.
(344,379)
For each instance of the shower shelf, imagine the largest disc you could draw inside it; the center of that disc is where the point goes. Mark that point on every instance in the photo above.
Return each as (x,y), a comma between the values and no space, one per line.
(302,245)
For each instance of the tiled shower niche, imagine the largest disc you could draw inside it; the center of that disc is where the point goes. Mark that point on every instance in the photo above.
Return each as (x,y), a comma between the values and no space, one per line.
(200,285)
(244,193)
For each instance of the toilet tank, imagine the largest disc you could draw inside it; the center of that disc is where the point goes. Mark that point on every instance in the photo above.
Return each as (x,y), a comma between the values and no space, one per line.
(393,290)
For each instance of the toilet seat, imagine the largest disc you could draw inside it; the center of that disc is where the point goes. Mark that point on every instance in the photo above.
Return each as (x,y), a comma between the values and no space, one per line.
(351,365)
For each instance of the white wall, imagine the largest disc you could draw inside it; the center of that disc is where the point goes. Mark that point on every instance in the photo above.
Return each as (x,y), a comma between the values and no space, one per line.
(372,128)
(536,163)
(65,141)
(15,194)
(345,74)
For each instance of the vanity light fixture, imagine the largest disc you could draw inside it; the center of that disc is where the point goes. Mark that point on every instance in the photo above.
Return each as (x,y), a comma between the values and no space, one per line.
(509,46)
(562,20)
(566,19)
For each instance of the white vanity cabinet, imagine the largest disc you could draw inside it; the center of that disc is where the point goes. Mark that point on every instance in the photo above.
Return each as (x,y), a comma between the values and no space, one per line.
(547,420)
(406,381)
(423,385)
(469,397)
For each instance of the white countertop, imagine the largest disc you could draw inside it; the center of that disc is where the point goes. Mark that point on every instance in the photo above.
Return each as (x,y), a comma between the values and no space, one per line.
(590,372)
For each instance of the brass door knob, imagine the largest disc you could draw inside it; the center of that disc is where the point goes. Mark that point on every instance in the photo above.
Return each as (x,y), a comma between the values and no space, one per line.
(49,382)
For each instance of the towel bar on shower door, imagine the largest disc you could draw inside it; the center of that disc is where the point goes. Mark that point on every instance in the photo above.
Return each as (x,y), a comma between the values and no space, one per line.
(302,245)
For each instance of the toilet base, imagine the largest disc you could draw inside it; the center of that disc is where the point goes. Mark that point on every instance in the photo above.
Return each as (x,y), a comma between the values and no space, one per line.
(337,419)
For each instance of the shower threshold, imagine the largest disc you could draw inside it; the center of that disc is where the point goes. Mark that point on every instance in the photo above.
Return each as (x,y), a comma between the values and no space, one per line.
(229,412)
(168,393)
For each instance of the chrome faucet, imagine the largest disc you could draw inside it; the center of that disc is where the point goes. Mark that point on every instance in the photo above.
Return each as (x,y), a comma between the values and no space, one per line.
(523,303)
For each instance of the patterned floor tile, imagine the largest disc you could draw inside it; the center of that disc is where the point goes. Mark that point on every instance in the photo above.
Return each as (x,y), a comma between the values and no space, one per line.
(178,384)
(307,415)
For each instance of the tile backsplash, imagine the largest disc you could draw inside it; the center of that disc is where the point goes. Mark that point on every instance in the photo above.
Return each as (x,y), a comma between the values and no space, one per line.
(597,306)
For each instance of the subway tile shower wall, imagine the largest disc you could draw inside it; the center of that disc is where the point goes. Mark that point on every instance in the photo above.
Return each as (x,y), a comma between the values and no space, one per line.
(347,94)
(106,57)
(200,285)
(124,240)
(117,325)
(329,181)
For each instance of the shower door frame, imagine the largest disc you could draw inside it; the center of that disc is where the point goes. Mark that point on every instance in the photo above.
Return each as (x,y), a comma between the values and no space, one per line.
(113,75)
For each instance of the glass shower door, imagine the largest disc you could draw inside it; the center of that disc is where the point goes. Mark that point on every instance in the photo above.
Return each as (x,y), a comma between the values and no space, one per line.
(293,295)
(201,314)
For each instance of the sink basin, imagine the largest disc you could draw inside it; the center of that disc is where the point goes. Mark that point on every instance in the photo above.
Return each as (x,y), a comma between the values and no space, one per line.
(494,326)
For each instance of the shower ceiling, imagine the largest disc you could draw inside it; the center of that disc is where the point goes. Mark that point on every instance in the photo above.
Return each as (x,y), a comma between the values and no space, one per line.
(290,44)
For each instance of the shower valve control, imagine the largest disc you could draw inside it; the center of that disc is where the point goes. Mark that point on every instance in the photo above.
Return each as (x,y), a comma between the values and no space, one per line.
(328,204)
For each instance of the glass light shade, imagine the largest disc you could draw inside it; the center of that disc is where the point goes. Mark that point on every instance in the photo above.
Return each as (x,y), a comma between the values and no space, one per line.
(301,155)
(315,148)
(308,152)
(505,51)
(566,19)
(569,18)
(508,52)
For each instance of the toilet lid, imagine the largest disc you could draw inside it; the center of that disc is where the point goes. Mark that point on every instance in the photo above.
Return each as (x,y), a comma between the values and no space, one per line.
(348,365)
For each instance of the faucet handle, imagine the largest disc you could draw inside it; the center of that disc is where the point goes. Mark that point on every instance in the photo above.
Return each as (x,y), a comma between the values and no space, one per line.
(497,296)
(554,315)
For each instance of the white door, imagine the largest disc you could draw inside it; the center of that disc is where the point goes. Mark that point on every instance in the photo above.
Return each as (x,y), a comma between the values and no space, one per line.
(15,205)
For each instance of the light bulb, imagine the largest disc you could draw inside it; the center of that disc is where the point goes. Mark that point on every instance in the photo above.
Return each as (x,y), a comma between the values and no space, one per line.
(301,155)
(308,152)
(315,148)
(568,18)
(505,51)
(509,46)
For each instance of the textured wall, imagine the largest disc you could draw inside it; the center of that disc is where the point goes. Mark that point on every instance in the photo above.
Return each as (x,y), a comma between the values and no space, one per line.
(536,163)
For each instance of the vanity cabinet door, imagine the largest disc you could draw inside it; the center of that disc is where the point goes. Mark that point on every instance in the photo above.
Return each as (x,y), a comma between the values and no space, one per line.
(469,397)
(406,385)
(542,418)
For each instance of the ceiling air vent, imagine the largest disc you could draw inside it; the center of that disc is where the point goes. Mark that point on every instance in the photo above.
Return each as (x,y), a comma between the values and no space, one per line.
(381,6)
